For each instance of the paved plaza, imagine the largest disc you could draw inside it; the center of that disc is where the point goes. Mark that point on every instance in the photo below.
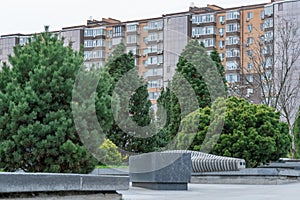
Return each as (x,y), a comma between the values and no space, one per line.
(218,192)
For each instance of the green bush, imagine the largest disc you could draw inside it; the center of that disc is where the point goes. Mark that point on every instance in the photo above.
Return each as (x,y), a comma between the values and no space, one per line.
(252,132)
(110,153)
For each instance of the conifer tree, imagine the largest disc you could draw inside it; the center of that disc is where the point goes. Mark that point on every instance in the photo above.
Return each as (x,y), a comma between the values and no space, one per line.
(193,63)
(37,128)
(124,74)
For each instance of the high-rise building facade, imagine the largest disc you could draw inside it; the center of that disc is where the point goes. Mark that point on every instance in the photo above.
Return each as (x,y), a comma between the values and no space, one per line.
(243,36)
(286,57)
(72,36)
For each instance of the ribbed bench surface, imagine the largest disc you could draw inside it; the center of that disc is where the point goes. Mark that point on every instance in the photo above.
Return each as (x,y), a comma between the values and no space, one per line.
(203,162)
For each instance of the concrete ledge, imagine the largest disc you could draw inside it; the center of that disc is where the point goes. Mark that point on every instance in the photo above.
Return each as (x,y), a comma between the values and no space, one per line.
(47,182)
(257,176)
(111,171)
(63,196)
(162,186)
(246,180)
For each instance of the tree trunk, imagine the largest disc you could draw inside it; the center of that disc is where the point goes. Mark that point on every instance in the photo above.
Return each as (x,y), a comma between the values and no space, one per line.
(293,150)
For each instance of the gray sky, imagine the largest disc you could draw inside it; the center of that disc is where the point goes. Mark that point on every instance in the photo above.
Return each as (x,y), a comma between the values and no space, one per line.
(29,16)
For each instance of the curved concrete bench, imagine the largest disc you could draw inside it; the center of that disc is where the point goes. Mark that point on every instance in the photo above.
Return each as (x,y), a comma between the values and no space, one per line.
(204,162)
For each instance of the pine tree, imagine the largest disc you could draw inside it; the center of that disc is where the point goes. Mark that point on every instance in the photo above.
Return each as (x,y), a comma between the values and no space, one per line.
(296,132)
(37,130)
(124,76)
(214,55)
(198,69)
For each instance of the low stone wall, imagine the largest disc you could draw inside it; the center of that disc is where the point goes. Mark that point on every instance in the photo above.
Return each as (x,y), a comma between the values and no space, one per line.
(256,176)
(111,171)
(45,184)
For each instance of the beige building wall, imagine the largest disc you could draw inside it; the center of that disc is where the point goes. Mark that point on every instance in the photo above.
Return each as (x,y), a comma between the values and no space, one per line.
(176,36)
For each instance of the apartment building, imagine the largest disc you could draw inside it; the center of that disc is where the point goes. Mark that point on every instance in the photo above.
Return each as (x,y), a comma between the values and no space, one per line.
(286,57)
(7,43)
(243,36)
(144,38)
(234,32)
(73,36)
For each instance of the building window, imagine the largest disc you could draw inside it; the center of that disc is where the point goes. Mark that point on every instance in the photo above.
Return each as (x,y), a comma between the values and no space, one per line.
(233,15)
(232,53)
(203,30)
(250,27)
(269,49)
(269,62)
(152,49)
(230,40)
(221,19)
(94,32)
(250,40)
(152,60)
(131,39)
(145,52)
(152,37)
(268,10)
(262,27)
(249,53)
(210,42)
(94,54)
(153,95)
(250,15)
(268,23)
(109,44)
(232,27)
(160,35)
(268,36)
(197,19)
(262,14)
(118,31)
(116,41)
(155,84)
(160,59)
(145,63)
(94,43)
(221,31)
(250,65)
(109,33)
(232,78)
(133,50)
(249,91)
(221,43)
(231,65)
(249,78)
(155,25)
(160,47)
(222,56)
(153,72)
(131,27)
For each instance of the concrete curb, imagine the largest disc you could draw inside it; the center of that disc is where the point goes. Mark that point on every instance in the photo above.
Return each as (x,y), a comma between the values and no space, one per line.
(257,176)
(47,182)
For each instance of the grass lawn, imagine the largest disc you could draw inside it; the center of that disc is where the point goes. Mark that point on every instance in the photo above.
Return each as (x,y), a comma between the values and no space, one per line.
(112,166)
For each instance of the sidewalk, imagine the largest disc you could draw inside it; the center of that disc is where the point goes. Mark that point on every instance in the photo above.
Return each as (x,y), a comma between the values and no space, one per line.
(218,192)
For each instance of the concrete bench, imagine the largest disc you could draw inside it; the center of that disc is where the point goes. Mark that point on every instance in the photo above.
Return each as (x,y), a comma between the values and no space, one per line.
(203,162)
(161,170)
